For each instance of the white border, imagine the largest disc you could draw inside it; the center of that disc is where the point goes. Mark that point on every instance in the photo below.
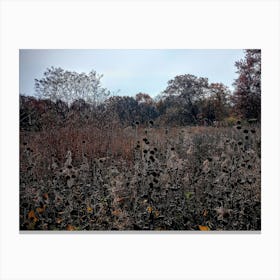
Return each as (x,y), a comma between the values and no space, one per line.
(153,24)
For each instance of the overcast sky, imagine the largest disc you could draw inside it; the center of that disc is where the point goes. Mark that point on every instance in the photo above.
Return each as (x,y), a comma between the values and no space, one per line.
(131,71)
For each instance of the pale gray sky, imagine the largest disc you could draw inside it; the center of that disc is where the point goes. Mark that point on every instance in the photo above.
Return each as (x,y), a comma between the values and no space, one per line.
(131,71)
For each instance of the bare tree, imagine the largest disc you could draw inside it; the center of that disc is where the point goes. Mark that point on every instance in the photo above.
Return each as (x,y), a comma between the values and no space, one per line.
(69,86)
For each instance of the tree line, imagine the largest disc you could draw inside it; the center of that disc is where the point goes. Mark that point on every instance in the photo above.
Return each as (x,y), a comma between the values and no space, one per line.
(78,98)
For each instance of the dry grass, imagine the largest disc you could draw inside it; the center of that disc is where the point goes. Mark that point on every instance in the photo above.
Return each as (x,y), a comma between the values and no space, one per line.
(181,178)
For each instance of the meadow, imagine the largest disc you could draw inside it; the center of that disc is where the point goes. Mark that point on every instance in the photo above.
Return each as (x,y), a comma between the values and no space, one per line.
(141,177)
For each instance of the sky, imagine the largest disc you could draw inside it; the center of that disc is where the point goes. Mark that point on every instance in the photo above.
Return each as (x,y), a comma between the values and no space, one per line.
(129,72)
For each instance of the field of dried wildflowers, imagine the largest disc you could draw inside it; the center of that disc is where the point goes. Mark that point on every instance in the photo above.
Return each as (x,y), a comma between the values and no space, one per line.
(141,178)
